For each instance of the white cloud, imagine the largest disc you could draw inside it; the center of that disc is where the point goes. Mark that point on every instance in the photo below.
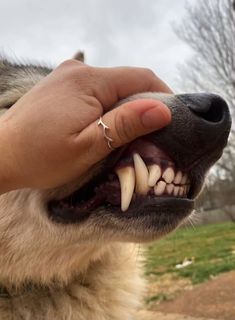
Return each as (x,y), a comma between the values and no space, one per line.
(124,32)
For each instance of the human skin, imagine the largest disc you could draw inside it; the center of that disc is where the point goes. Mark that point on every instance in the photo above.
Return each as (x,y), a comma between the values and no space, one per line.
(50,136)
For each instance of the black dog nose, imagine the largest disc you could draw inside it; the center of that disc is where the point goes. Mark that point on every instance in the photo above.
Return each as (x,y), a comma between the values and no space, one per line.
(200,127)
(210,107)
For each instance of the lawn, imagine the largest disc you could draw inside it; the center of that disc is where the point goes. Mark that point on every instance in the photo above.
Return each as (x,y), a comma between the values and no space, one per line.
(212,248)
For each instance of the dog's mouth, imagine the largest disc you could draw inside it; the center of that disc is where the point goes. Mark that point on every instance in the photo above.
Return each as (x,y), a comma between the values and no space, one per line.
(149,186)
(142,175)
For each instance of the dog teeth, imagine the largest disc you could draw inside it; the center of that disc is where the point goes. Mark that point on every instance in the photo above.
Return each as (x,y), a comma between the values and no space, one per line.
(178,177)
(169,188)
(155,173)
(141,175)
(159,188)
(176,191)
(141,179)
(184,179)
(181,191)
(168,175)
(126,177)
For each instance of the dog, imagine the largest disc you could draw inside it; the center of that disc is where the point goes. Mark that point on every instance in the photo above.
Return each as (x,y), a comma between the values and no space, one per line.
(71,253)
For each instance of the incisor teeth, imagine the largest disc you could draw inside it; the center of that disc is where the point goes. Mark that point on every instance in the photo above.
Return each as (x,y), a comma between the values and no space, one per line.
(181,191)
(168,175)
(141,175)
(176,191)
(169,188)
(126,177)
(154,174)
(178,177)
(160,188)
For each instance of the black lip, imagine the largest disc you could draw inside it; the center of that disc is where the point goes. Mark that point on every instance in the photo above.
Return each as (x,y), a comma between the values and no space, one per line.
(142,206)
(154,218)
(146,205)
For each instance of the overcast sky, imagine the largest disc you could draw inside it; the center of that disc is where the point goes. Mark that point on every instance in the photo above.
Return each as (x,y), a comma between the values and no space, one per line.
(111,32)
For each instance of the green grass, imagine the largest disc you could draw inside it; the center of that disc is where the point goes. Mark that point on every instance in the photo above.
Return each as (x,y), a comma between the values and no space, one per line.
(157,298)
(212,246)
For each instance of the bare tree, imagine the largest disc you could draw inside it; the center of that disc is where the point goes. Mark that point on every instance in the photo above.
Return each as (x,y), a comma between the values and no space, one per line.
(209,29)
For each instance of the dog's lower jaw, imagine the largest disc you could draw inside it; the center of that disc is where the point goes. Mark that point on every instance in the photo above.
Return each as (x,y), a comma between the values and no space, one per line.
(103,291)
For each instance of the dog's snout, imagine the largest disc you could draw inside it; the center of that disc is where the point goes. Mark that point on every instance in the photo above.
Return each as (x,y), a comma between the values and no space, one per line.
(209,107)
(199,129)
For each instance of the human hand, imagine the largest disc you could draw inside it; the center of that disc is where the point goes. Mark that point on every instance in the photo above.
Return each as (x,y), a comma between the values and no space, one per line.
(50,136)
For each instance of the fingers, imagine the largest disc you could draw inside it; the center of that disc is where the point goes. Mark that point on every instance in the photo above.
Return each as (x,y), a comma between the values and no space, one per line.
(125,123)
(109,85)
(125,81)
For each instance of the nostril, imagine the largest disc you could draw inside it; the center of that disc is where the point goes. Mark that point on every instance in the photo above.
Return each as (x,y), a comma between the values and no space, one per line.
(209,107)
(215,111)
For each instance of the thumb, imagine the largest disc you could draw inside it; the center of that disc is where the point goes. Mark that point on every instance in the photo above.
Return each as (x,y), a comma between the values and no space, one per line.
(125,123)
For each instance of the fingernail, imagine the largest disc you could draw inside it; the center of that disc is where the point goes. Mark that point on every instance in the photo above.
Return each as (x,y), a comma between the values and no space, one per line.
(156,116)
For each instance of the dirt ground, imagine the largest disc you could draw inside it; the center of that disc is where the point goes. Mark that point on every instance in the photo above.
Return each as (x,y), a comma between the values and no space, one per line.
(214,299)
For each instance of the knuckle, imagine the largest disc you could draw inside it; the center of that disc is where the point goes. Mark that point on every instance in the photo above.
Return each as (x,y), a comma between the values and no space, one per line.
(88,76)
(69,69)
(79,73)
(89,71)
(149,73)
(94,105)
(68,64)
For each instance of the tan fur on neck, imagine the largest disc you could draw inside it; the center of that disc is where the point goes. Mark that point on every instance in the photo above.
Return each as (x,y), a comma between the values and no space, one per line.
(110,287)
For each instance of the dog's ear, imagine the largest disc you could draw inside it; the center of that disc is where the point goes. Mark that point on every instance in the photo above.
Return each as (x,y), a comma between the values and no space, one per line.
(80,56)
(16,79)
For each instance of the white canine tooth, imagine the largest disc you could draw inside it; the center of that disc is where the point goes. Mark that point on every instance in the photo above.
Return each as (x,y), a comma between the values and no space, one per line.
(159,188)
(155,173)
(141,175)
(184,179)
(176,191)
(169,188)
(126,177)
(168,175)
(178,177)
